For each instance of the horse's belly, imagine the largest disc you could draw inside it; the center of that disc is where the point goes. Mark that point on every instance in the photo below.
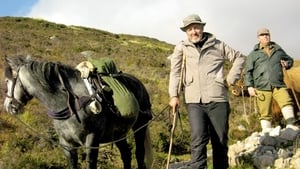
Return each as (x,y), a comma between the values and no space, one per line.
(119,130)
(70,132)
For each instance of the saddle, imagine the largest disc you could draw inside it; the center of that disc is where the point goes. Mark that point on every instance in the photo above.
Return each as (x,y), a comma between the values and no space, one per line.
(101,76)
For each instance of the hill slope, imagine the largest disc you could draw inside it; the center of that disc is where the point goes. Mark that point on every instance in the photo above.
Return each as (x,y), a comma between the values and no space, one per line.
(141,56)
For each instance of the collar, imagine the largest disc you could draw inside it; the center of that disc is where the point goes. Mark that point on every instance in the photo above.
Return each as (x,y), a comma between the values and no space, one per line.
(270,45)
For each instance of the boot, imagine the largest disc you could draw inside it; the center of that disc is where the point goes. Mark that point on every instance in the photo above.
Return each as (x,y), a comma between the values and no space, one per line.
(288,114)
(265,126)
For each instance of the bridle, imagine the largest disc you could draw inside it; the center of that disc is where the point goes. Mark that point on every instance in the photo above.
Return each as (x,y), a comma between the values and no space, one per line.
(10,93)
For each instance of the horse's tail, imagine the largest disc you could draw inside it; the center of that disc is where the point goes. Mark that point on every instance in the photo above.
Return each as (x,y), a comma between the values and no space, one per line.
(148,149)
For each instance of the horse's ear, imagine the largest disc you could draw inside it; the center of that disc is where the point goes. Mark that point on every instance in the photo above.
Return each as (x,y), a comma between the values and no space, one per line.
(7,60)
(7,68)
(14,62)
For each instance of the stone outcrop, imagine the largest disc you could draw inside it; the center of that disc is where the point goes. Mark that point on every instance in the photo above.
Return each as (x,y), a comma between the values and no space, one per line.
(280,151)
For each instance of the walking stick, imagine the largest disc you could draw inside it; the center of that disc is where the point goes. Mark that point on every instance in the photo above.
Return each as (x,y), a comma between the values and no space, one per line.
(175,112)
(291,85)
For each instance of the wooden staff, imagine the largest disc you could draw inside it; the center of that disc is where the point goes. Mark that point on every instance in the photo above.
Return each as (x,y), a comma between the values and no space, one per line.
(175,111)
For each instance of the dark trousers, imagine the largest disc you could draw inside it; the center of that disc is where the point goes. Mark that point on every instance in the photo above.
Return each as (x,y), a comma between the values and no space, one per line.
(209,121)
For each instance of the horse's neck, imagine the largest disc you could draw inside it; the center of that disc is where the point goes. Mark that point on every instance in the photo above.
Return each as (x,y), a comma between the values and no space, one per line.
(55,98)
(78,87)
(72,81)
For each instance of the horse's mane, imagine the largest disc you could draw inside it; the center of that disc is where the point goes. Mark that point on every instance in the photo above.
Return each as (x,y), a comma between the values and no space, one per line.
(47,72)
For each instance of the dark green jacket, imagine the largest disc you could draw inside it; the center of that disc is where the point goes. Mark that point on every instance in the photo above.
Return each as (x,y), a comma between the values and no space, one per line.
(265,72)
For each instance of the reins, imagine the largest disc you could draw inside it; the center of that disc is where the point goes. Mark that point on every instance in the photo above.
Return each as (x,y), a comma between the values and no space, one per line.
(42,136)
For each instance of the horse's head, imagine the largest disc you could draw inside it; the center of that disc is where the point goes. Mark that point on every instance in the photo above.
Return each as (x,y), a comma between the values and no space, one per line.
(16,94)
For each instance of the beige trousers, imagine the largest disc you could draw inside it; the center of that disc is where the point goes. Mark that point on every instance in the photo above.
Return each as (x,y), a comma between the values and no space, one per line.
(264,101)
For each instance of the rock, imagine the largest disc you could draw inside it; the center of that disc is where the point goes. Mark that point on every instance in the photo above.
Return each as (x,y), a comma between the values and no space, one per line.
(289,134)
(264,161)
(281,151)
(295,162)
(282,163)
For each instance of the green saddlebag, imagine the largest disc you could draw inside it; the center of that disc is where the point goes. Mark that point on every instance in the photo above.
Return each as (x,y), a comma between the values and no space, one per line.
(124,99)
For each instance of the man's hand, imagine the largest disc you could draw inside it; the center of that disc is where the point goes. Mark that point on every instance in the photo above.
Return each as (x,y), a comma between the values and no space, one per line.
(251,91)
(174,102)
(227,84)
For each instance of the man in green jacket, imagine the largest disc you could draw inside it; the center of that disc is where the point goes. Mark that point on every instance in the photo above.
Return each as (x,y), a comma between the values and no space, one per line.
(264,79)
(205,86)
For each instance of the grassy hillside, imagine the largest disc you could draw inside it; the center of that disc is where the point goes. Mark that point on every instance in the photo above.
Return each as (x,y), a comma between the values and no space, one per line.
(24,139)
(141,56)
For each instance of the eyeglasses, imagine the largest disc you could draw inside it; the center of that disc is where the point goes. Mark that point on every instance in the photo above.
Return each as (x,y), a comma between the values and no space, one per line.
(264,34)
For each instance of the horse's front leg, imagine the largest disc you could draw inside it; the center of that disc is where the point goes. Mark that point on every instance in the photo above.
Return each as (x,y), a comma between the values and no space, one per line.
(92,149)
(125,151)
(70,153)
(72,158)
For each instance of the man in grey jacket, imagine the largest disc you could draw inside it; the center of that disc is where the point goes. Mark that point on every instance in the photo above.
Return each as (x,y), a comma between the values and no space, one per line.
(205,90)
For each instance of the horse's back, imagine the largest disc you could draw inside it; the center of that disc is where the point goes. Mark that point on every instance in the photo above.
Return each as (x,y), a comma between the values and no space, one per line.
(292,79)
(137,88)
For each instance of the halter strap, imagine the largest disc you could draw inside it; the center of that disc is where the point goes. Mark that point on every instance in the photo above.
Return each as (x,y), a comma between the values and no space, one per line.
(14,81)
(73,101)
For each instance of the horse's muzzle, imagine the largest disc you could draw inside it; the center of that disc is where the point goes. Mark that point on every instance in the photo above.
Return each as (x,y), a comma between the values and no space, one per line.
(12,106)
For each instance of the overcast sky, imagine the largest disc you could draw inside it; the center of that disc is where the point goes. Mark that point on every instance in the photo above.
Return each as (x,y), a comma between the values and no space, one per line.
(232,21)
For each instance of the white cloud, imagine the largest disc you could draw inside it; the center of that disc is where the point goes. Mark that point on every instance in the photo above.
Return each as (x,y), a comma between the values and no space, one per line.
(233,21)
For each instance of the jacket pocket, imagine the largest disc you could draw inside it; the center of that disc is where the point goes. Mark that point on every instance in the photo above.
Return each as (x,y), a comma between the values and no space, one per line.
(188,80)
